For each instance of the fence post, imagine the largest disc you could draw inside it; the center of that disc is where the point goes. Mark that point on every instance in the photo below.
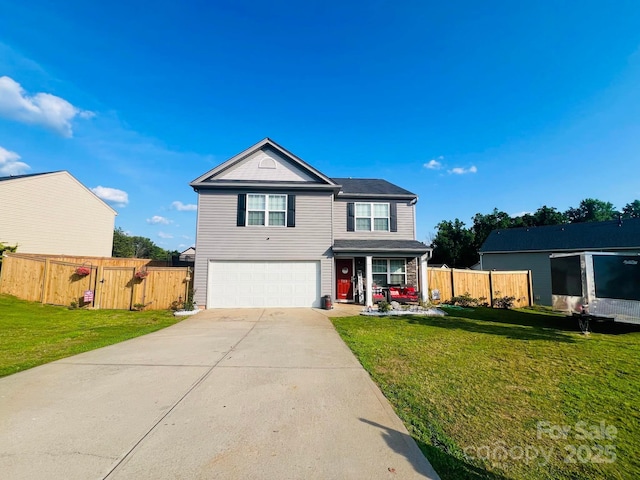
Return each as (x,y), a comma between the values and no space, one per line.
(453,284)
(45,280)
(530,288)
(491,288)
(97,293)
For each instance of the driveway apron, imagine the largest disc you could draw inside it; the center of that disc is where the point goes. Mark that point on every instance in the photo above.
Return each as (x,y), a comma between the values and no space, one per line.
(251,393)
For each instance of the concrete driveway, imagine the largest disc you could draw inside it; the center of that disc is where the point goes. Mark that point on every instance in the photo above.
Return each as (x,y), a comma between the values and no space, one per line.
(255,393)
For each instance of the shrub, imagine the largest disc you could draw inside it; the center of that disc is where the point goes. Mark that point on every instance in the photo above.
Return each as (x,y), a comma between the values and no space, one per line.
(464,300)
(384,306)
(503,302)
(6,248)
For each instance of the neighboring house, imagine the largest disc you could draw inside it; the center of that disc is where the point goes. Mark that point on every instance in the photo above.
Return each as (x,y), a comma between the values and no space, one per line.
(189,255)
(529,248)
(274,231)
(53,213)
(186,258)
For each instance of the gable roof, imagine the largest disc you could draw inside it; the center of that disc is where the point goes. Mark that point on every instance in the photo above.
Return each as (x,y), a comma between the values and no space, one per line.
(371,187)
(613,234)
(29,176)
(26,175)
(207,180)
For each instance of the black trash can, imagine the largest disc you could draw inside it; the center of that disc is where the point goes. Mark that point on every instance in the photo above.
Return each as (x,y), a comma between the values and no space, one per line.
(326,302)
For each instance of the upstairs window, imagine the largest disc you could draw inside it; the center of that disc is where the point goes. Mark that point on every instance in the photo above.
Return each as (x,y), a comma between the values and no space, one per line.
(266,210)
(372,217)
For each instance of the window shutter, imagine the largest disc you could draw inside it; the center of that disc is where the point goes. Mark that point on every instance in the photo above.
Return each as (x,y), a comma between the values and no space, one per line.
(351,217)
(242,209)
(393,217)
(291,210)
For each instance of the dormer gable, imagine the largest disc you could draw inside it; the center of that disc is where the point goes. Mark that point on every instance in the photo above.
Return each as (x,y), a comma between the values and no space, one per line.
(264,163)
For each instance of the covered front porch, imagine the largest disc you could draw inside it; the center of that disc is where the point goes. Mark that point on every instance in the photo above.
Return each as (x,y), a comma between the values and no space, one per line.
(367,271)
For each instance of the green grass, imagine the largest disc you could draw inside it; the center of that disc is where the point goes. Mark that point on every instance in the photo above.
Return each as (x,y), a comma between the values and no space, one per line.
(32,334)
(484,378)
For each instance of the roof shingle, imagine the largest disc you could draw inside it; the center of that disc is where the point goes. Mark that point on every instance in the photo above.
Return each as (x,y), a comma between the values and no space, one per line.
(572,236)
(380,246)
(370,186)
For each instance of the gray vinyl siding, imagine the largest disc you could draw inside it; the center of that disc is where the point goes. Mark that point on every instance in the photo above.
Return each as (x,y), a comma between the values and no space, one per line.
(406,224)
(218,237)
(538,263)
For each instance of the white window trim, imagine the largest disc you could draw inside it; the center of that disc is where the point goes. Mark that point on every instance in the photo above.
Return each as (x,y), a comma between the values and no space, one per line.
(388,272)
(266,209)
(372,217)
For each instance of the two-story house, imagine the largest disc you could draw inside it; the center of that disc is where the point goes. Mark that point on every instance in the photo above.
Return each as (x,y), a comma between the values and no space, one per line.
(272,231)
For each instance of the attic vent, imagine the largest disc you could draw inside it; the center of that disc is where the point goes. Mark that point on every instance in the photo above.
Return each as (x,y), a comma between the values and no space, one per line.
(267,162)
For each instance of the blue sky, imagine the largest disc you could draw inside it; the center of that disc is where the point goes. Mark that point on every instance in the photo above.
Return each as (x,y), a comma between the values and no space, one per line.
(471,105)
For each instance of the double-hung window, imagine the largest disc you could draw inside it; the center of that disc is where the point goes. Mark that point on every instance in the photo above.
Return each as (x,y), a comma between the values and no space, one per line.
(372,217)
(266,210)
(387,272)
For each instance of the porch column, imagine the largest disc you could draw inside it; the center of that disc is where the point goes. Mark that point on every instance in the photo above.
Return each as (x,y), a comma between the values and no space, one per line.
(424,282)
(369,280)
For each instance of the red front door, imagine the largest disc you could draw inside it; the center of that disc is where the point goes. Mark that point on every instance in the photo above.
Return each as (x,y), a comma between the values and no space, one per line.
(344,275)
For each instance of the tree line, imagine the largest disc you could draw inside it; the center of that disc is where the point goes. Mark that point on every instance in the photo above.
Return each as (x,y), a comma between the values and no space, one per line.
(457,246)
(130,246)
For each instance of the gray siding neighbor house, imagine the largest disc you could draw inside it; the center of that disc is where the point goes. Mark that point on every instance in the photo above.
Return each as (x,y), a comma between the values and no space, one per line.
(529,248)
(274,231)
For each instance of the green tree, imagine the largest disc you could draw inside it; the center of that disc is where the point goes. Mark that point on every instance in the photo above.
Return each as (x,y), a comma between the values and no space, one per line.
(592,210)
(483,225)
(631,210)
(128,246)
(548,216)
(453,244)
(122,244)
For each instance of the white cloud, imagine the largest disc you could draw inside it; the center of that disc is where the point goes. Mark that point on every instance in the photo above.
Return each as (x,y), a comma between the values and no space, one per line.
(434,163)
(41,108)
(10,164)
(164,235)
(181,207)
(463,171)
(157,219)
(113,195)
(520,214)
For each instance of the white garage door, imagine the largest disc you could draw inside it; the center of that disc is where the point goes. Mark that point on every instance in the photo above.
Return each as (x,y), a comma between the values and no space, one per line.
(263,284)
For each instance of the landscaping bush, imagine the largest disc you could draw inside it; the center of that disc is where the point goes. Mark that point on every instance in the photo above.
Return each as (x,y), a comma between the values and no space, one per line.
(503,302)
(384,306)
(464,300)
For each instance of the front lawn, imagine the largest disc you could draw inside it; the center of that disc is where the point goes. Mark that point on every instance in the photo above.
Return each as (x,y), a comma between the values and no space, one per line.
(509,394)
(32,334)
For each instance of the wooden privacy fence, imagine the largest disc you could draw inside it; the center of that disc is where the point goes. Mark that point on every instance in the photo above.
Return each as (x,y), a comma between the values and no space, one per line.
(110,284)
(451,282)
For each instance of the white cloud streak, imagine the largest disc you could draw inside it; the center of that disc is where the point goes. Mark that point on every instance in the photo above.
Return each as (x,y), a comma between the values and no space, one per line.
(112,195)
(463,171)
(164,235)
(520,214)
(434,163)
(181,207)
(158,220)
(10,163)
(40,109)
